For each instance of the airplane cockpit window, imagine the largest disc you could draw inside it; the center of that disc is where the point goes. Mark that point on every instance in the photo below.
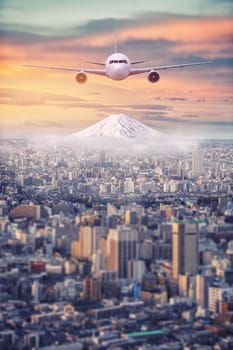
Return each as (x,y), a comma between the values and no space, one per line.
(116,61)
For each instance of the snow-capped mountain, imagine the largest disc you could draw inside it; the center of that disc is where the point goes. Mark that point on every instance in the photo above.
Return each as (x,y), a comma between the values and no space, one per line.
(117,126)
(120,132)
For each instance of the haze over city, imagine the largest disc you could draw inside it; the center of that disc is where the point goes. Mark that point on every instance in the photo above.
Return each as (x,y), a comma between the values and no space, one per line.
(195,102)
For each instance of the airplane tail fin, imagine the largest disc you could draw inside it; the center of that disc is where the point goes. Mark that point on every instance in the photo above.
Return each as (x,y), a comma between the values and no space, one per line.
(115,42)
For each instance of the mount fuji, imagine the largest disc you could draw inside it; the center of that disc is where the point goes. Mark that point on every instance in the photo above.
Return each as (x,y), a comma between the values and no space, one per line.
(117,131)
(122,133)
(117,126)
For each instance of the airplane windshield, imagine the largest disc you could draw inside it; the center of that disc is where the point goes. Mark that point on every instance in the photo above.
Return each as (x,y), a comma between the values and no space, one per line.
(118,61)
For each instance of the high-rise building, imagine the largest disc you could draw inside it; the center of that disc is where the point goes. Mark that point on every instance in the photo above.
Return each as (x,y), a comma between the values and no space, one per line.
(32,340)
(187,284)
(145,249)
(97,262)
(97,233)
(218,294)
(121,248)
(136,269)
(202,289)
(184,248)
(75,249)
(89,240)
(85,240)
(36,291)
(26,210)
(131,217)
(111,210)
(92,289)
(128,186)
(102,157)
(197,162)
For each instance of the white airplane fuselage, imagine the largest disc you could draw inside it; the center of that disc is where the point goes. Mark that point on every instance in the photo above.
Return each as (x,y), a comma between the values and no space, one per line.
(117,66)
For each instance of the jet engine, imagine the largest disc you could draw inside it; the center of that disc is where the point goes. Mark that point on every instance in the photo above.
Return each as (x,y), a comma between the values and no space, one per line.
(153,76)
(81,78)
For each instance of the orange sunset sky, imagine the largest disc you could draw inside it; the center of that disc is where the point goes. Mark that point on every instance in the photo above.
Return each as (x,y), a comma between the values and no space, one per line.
(192,102)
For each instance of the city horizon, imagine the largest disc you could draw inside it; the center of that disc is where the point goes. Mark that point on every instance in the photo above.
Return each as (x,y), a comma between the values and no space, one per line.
(101,248)
(59,132)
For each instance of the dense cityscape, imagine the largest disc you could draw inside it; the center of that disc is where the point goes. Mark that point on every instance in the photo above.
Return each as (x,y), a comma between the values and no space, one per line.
(104,250)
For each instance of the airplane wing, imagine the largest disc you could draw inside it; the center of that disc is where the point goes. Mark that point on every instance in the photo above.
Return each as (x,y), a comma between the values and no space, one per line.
(149,69)
(72,69)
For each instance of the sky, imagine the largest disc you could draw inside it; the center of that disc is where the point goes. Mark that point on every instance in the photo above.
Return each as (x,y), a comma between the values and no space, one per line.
(190,102)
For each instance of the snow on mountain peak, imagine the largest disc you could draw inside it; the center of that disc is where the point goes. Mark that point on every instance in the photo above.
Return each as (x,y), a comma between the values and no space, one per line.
(116,126)
(121,133)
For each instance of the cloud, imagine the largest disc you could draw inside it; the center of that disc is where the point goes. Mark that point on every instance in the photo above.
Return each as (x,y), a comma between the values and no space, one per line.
(158,126)
(164,118)
(191,116)
(28,124)
(146,107)
(221,1)
(166,36)
(217,123)
(172,120)
(115,108)
(201,100)
(94,93)
(103,25)
(154,115)
(176,99)
(11,96)
(221,4)
(89,105)
(44,124)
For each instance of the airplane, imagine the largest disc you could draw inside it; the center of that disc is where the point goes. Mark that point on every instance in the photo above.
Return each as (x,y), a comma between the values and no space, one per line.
(117,67)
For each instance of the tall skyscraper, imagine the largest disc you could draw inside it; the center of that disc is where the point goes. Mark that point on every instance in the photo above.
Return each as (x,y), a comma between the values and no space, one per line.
(128,185)
(75,249)
(184,248)
(136,269)
(202,289)
(121,248)
(89,239)
(102,158)
(85,241)
(218,294)
(92,289)
(36,291)
(197,162)
(131,217)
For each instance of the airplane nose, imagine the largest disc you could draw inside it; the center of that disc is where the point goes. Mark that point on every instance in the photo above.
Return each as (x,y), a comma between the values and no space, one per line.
(118,71)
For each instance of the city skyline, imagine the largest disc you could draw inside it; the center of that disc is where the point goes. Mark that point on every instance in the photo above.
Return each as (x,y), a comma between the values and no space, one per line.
(195,101)
(104,250)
